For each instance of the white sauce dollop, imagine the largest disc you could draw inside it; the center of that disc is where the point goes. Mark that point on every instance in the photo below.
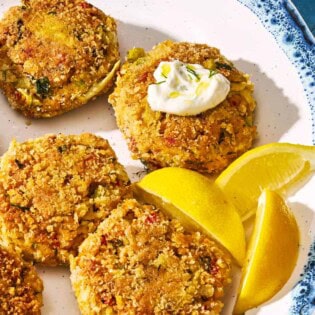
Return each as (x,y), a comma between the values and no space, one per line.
(186,89)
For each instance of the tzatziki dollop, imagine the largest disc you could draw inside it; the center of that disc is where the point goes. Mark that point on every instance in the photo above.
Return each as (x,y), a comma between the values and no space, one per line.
(186,89)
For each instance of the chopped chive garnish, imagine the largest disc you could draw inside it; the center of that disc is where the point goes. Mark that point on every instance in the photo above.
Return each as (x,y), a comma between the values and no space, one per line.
(193,72)
(212,73)
(160,82)
(163,75)
(190,77)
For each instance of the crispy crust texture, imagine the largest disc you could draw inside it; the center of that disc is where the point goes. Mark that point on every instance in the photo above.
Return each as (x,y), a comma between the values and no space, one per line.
(207,142)
(54,191)
(20,287)
(141,262)
(56,55)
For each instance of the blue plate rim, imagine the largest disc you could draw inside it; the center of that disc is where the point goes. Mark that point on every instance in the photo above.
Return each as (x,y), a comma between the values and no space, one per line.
(300,21)
(283,20)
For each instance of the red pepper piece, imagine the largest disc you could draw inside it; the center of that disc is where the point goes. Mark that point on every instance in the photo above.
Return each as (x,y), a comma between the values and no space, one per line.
(104,240)
(152,218)
(109,301)
(170,140)
(85,5)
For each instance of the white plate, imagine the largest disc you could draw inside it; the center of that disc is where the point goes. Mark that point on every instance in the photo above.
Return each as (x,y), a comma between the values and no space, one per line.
(263,41)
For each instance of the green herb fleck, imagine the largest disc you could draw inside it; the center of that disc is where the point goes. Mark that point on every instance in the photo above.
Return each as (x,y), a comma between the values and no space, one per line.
(220,65)
(193,72)
(20,25)
(52,13)
(20,207)
(19,164)
(98,192)
(223,134)
(249,121)
(135,53)
(205,262)
(111,160)
(4,75)
(62,148)
(190,77)
(157,83)
(212,73)
(164,76)
(116,243)
(42,87)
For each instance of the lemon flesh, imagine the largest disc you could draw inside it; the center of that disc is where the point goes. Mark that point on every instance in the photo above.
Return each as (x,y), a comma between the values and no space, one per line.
(198,203)
(272,253)
(275,166)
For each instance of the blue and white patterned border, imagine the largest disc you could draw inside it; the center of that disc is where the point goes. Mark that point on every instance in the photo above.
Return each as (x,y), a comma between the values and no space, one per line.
(283,21)
(304,291)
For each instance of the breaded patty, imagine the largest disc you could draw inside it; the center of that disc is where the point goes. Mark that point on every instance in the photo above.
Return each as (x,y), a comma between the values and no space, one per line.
(207,142)
(20,287)
(141,262)
(56,55)
(54,191)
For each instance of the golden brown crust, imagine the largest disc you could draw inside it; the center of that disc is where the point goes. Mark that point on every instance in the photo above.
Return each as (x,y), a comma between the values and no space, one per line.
(54,54)
(20,287)
(141,262)
(54,191)
(207,142)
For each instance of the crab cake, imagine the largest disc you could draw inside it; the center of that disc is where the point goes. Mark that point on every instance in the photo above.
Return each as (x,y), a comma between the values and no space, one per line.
(54,191)
(141,262)
(20,287)
(56,55)
(206,142)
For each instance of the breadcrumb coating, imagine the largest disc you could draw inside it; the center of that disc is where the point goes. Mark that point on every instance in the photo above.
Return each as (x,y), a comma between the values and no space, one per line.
(56,55)
(20,287)
(56,189)
(207,142)
(139,261)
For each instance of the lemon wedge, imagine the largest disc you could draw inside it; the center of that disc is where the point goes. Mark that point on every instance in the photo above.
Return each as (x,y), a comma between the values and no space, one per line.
(275,166)
(272,253)
(198,203)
